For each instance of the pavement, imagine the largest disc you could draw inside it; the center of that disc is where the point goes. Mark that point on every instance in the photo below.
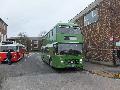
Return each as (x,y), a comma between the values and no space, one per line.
(102,70)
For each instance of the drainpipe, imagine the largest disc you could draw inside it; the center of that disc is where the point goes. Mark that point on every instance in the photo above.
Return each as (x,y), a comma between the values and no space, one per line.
(114,61)
(112,28)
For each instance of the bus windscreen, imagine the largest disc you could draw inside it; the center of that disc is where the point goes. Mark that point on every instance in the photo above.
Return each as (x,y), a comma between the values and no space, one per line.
(66,48)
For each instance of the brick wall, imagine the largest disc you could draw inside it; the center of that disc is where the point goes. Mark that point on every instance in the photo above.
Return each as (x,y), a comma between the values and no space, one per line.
(32,43)
(100,37)
(3,30)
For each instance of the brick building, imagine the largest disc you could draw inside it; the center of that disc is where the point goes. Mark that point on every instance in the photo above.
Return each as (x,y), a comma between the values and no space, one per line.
(100,25)
(31,43)
(35,43)
(3,30)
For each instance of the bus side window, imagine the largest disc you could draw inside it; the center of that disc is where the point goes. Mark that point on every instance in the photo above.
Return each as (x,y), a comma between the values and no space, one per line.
(16,47)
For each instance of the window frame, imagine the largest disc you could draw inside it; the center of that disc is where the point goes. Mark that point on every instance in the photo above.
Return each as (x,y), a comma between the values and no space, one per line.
(88,21)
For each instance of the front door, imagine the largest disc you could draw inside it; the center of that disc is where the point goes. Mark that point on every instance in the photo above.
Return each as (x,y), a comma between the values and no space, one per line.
(118,56)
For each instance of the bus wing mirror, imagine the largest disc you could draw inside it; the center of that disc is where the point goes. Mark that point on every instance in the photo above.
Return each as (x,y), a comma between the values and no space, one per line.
(54,45)
(47,49)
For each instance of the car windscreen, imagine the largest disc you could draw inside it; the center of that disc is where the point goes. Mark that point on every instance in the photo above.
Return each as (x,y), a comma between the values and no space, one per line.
(6,48)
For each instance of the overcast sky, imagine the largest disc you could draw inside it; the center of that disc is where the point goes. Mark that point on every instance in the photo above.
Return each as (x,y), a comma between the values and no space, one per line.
(35,16)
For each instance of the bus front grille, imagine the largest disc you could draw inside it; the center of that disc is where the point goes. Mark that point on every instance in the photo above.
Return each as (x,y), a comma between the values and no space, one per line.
(73,61)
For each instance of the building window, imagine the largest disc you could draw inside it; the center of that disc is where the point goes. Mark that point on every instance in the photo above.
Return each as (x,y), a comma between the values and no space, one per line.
(2,37)
(91,17)
(35,42)
(49,34)
(35,45)
(52,32)
(4,27)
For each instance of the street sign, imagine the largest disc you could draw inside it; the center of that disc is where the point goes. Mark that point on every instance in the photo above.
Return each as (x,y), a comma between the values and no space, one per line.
(118,43)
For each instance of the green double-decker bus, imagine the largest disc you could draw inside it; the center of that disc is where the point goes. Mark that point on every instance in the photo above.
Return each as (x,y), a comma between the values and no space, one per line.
(62,46)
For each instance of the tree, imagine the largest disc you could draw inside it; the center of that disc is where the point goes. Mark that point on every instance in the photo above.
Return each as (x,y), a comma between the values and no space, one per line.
(41,36)
(23,39)
(42,33)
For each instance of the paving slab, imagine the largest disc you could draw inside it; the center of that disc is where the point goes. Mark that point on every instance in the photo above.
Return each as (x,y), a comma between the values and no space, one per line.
(103,70)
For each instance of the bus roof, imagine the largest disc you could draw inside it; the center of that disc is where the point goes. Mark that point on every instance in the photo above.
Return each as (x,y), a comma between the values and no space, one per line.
(70,24)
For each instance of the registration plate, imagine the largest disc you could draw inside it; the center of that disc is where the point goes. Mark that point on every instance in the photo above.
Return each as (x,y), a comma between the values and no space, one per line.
(117,75)
(72,65)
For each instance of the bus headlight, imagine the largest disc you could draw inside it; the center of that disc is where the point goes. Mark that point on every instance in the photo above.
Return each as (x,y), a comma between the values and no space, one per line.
(81,60)
(62,61)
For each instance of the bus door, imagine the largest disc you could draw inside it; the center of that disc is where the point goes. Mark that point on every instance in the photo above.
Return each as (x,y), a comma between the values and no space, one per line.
(46,54)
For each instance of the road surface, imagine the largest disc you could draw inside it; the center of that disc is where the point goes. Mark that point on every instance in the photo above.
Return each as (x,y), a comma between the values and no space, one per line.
(32,74)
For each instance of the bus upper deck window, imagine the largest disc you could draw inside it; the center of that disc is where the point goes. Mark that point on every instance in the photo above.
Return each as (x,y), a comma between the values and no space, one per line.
(64,26)
(76,27)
